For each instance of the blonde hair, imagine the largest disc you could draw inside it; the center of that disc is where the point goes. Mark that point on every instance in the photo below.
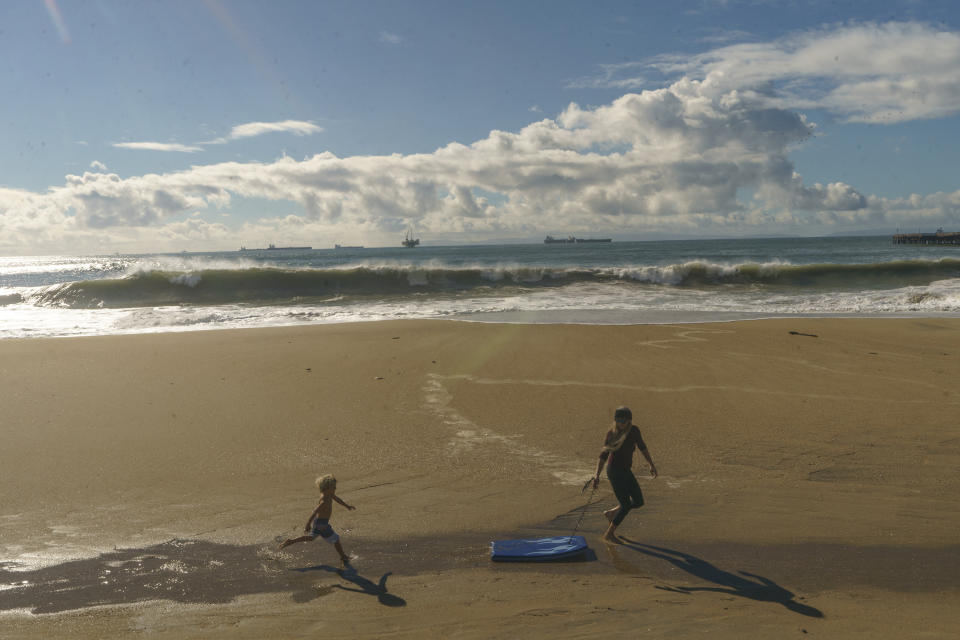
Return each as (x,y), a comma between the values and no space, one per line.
(616,439)
(326,482)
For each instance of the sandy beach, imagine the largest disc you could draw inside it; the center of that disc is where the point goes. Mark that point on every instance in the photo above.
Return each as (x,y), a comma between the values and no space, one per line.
(808,481)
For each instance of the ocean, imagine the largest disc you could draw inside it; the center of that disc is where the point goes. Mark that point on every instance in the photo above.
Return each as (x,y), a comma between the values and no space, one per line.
(593,283)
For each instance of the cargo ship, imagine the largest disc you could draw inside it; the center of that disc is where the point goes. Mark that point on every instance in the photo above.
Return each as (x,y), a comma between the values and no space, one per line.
(276,248)
(572,239)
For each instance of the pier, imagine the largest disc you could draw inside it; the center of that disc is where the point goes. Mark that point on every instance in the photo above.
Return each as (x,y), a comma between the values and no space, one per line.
(940,237)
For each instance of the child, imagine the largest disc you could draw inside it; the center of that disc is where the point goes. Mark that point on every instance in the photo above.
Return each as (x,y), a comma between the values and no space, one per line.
(319,522)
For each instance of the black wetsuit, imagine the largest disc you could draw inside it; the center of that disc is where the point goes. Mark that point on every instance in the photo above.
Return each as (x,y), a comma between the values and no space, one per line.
(624,483)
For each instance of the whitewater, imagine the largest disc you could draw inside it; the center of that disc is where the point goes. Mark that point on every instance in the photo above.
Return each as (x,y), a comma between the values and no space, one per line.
(618,282)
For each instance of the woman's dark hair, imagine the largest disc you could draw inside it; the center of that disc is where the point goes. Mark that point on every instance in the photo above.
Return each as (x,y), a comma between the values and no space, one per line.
(623,412)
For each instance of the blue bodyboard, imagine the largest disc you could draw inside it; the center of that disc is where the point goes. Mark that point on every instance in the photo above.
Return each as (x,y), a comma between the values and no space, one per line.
(537,549)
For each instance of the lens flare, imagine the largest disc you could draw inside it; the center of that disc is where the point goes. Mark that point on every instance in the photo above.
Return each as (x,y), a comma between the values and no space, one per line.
(57,19)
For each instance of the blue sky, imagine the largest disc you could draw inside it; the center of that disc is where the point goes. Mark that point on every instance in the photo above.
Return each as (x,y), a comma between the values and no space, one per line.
(161,126)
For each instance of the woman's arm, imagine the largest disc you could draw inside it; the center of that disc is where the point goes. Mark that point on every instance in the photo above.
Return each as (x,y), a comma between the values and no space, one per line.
(600,463)
(653,467)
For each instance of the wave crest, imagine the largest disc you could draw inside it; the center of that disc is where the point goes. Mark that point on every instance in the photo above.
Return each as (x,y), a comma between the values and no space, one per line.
(269,285)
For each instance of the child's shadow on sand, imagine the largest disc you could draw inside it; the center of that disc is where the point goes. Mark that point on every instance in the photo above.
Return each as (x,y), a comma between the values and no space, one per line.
(753,586)
(365,585)
(187,571)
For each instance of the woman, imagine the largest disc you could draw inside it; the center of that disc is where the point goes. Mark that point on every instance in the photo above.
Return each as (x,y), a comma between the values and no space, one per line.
(617,453)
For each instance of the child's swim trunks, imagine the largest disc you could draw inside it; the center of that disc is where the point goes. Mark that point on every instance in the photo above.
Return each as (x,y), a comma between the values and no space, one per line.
(322,528)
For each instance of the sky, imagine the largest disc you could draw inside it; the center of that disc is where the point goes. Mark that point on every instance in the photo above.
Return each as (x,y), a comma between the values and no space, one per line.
(204,125)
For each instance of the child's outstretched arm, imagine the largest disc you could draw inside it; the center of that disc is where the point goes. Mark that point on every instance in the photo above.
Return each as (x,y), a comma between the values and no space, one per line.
(351,508)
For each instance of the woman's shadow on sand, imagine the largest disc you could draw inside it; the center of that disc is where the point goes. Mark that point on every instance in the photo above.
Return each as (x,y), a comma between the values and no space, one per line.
(752,586)
(365,585)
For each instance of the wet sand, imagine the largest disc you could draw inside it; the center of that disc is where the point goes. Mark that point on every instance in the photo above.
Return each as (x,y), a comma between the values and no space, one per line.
(807,480)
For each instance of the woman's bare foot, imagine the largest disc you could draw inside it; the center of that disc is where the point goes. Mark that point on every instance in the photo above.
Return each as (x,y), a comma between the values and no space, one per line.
(610,514)
(610,536)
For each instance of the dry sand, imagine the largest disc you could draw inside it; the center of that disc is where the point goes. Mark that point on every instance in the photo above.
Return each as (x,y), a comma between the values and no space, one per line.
(808,481)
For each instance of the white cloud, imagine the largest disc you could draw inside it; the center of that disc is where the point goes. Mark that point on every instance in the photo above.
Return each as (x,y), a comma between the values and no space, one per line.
(390,38)
(252,129)
(239,132)
(157,146)
(881,73)
(674,159)
(99,166)
(646,161)
(194,230)
(623,76)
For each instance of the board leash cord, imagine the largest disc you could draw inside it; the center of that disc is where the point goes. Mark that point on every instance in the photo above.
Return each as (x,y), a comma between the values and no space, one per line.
(583,510)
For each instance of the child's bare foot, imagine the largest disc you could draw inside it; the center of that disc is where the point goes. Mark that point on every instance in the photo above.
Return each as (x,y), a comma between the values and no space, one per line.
(285,544)
(344,562)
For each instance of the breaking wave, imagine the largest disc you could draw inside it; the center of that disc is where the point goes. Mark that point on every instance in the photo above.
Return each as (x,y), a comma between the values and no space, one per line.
(269,285)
